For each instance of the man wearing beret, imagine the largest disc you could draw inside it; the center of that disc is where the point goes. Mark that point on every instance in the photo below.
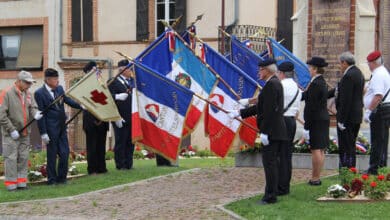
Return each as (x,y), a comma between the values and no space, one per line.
(52,126)
(120,89)
(17,107)
(269,111)
(377,92)
(95,135)
(292,99)
(349,105)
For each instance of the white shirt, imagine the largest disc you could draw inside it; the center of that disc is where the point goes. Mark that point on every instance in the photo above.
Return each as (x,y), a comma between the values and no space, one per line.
(50,90)
(378,85)
(290,88)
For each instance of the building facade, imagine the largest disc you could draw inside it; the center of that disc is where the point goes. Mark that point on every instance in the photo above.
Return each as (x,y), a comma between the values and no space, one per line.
(66,34)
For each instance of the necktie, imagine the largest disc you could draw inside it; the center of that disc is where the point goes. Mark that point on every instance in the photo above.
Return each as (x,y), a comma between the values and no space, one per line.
(54,93)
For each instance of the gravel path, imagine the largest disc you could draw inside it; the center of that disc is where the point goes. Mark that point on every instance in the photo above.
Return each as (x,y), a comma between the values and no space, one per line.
(186,195)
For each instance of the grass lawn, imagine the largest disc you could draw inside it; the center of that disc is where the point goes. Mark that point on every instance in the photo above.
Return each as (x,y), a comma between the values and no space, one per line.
(301,204)
(143,169)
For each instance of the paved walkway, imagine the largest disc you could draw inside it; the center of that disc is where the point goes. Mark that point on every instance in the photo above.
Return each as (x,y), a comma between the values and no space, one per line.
(193,194)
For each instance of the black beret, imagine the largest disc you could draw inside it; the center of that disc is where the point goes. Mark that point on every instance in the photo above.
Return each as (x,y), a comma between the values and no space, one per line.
(317,61)
(50,72)
(123,63)
(267,62)
(88,67)
(286,66)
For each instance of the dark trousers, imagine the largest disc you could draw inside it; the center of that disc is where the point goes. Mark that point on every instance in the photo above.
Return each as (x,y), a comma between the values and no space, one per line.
(347,145)
(379,130)
(161,161)
(285,163)
(96,150)
(58,145)
(123,149)
(271,169)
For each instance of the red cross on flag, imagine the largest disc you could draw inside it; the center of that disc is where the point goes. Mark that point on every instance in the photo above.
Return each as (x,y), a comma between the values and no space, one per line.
(94,95)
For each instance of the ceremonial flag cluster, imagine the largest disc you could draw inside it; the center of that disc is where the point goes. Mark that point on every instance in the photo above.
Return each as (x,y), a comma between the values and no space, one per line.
(160,108)
(169,56)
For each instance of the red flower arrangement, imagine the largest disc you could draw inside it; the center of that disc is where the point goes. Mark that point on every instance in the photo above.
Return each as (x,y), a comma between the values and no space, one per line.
(357,186)
(353,170)
(381,177)
(365,177)
(373,184)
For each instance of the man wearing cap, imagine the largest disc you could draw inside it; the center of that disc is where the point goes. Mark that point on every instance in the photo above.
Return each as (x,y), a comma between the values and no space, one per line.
(292,98)
(95,135)
(377,92)
(349,105)
(51,98)
(269,111)
(17,108)
(120,89)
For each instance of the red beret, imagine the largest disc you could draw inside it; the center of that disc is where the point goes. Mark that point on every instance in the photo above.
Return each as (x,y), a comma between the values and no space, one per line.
(373,56)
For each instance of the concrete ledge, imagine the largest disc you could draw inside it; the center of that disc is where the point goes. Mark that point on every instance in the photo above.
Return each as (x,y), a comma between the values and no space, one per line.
(299,160)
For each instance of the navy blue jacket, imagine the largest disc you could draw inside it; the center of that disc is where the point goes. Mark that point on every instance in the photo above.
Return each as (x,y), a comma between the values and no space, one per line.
(53,121)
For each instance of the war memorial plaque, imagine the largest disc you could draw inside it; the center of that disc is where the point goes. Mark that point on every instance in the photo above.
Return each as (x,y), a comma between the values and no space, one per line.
(330,33)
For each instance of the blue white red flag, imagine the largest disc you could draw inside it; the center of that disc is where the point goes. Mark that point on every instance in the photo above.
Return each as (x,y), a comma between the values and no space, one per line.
(246,59)
(158,117)
(220,127)
(183,67)
(361,147)
(280,54)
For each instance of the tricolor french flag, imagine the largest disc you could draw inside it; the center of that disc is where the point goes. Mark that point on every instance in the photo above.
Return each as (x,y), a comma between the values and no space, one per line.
(160,108)
(181,66)
(220,127)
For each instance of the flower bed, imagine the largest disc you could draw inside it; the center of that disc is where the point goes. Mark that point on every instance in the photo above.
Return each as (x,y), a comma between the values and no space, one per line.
(250,156)
(360,187)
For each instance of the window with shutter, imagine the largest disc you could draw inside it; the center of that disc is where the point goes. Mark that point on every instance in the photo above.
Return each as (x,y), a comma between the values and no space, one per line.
(82,20)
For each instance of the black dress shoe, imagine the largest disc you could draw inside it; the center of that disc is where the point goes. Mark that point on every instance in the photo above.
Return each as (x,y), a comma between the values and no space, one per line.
(264,202)
(282,193)
(314,182)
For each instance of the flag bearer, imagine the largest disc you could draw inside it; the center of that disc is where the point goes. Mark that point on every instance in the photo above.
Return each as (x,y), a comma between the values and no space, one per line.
(17,107)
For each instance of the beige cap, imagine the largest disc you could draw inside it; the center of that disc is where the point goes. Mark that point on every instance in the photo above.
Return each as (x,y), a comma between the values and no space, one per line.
(26,76)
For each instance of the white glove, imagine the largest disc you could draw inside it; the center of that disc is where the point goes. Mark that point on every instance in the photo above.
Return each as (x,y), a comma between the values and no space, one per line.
(83,107)
(264,139)
(366,117)
(244,102)
(45,138)
(119,123)
(15,134)
(38,115)
(306,134)
(121,96)
(233,113)
(341,126)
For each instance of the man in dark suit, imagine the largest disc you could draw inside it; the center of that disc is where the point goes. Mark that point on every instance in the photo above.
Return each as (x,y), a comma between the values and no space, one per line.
(95,133)
(52,126)
(270,121)
(349,106)
(120,89)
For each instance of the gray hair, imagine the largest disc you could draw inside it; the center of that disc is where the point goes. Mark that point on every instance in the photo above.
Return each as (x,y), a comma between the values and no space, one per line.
(272,68)
(348,57)
(379,61)
(289,74)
